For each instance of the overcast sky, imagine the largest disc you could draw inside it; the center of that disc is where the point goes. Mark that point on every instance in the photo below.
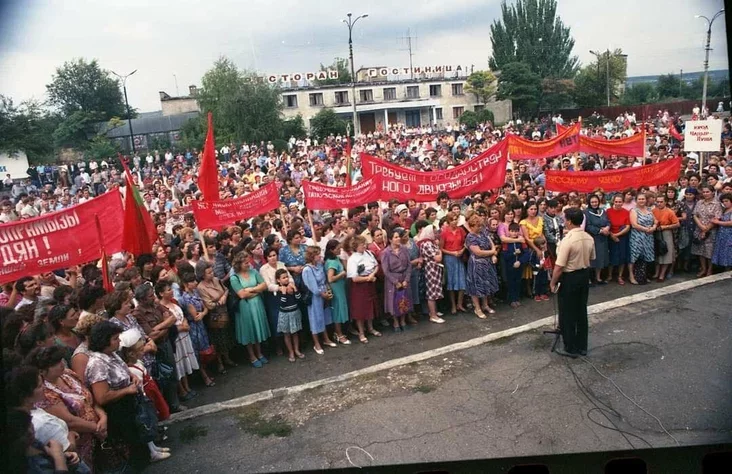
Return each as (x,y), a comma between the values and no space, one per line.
(163,38)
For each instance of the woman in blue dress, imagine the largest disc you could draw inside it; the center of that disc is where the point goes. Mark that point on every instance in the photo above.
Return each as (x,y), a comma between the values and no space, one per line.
(336,275)
(722,255)
(194,310)
(293,256)
(251,323)
(482,278)
(642,250)
(319,308)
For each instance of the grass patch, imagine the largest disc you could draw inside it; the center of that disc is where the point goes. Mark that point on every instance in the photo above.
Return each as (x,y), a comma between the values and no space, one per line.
(252,421)
(192,432)
(424,388)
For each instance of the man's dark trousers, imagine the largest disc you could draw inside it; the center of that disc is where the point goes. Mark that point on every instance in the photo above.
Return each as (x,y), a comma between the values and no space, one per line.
(573,294)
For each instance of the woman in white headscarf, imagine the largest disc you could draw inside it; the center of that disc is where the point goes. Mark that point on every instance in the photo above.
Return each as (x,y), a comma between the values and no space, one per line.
(433,267)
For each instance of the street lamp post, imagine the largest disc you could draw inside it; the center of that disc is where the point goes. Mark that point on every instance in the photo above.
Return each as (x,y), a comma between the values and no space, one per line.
(607,72)
(706,58)
(350,22)
(127,104)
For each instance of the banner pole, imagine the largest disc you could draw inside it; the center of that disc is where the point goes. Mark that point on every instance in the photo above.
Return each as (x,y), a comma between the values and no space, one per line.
(513,174)
(312,228)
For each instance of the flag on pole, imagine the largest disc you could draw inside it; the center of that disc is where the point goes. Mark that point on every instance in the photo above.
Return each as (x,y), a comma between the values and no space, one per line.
(106,277)
(139,230)
(208,174)
(675,132)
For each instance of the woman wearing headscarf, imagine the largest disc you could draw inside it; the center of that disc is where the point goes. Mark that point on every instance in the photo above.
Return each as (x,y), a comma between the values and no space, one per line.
(597,225)
(433,268)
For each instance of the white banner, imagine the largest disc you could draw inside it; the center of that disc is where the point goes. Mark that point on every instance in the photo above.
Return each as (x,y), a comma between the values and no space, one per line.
(14,165)
(703,135)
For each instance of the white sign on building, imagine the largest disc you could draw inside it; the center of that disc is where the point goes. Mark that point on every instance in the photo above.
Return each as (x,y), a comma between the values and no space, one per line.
(15,165)
(702,135)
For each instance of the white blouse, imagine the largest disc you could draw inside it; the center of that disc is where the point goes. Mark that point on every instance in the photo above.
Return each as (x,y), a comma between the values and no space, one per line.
(366,259)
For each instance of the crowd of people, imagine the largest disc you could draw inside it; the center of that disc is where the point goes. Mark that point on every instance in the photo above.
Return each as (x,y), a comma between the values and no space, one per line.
(90,373)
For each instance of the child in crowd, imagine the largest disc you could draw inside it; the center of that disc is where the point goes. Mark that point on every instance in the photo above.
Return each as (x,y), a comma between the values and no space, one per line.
(514,257)
(289,321)
(132,345)
(542,266)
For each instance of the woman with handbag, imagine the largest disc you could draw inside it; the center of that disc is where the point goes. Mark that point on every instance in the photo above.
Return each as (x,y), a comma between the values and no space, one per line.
(397,272)
(482,277)
(319,314)
(251,323)
(433,267)
(214,295)
(667,222)
(707,209)
(361,270)
(194,311)
(685,213)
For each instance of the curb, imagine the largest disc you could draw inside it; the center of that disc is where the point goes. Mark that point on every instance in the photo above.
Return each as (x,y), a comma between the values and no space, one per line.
(595,309)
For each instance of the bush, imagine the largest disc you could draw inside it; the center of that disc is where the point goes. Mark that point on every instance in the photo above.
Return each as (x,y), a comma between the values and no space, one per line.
(469,119)
(485,115)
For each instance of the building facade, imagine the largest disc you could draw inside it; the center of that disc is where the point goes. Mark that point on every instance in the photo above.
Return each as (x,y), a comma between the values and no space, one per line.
(418,102)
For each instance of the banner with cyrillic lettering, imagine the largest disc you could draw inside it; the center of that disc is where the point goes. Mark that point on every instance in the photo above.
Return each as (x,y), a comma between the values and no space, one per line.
(322,197)
(484,172)
(566,142)
(61,239)
(216,214)
(634,145)
(613,180)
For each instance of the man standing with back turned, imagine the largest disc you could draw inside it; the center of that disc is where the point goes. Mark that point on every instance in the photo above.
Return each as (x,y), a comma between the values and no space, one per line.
(572,271)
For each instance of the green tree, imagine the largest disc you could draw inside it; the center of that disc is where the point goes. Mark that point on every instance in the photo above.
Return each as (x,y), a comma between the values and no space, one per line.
(531,32)
(590,84)
(26,128)
(325,123)
(81,86)
(485,115)
(74,130)
(294,127)
(100,147)
(482,84)
(344,72)
(469,119)
(243,107)
(641,93)
(517,83)
(556,93)
(671,86)
(193,133)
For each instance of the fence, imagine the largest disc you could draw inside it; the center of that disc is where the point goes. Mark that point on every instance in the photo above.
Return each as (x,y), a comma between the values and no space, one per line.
(642,111)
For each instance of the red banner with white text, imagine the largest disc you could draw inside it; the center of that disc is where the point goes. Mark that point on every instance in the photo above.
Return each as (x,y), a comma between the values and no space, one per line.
(613,180)
(484,172)
(216,214)
(566,142)
(61,239)
(634,145)
(322,197)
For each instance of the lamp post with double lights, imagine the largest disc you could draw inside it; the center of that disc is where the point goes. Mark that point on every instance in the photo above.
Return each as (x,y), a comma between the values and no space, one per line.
(350,22)
(706,57)
(127,104)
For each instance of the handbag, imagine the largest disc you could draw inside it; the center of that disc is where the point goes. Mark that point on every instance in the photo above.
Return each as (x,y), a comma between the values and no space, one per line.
(698,239)
(661,247)
(307,295)
(218,318)
(401,303)
(232,300)
(146,418)
(207,355)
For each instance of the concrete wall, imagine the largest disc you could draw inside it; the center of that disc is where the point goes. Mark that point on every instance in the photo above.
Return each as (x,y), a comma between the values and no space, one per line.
(179,106)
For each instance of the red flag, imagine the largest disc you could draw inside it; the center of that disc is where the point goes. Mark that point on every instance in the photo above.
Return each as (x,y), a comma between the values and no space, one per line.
(208,174)
(348,161)
(106,279)
(139,229)
(675,132)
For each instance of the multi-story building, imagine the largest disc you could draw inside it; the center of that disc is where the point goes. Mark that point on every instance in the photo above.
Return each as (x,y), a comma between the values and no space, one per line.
(421,101)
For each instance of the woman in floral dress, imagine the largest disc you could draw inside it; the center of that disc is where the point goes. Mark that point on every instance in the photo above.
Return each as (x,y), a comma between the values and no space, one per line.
(433,268)
(707,209)
(482,278)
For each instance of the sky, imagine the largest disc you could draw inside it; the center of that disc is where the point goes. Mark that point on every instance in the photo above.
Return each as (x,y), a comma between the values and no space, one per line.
(179,40)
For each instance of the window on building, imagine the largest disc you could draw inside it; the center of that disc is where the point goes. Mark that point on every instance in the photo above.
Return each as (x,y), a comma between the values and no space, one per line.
(341,97)
(290,101)
(412,92)
(366,95)
(457,112)
(389,93)
(457,89)
(435,90)
(438,113)
(316,98)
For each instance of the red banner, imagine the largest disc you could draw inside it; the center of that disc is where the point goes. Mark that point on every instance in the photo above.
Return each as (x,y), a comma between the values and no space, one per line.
(321,197)
(216,214)
(484,172)
(632,146)
(613,180)
(564,143)
(61,239)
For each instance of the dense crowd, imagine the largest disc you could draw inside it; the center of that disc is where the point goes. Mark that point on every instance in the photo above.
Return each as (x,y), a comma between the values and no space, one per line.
(90,373)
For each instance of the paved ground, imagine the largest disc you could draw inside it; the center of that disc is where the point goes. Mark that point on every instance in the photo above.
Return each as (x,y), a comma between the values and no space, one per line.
(672,355)
(279,372)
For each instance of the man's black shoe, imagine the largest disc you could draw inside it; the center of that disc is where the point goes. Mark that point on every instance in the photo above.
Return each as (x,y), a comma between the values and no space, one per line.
(583,353)
(564,353)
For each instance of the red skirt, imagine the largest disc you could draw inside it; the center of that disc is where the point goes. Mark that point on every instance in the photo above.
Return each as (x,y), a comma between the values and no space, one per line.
(363,300)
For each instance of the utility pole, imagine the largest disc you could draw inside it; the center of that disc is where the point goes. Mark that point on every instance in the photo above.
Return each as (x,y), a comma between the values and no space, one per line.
(706,58)
(129,114)
(607,77)
(350,23)
(177,93)
(409,39)
(681,81)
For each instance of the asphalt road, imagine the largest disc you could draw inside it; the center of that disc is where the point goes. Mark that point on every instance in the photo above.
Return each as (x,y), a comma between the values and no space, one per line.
(512,397)
(244,380)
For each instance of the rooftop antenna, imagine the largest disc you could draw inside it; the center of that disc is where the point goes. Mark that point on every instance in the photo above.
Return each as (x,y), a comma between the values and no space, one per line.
(408,39)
